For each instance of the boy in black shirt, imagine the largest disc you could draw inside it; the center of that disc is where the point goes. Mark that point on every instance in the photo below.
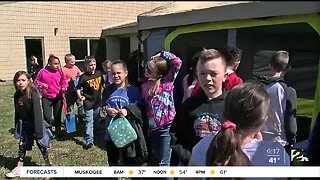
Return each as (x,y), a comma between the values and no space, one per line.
(200,115)
(91,81)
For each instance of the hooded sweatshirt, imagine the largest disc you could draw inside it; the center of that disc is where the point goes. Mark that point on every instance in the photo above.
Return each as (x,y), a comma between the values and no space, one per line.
(198,117)
(55,81)
(231,80)
(274,127)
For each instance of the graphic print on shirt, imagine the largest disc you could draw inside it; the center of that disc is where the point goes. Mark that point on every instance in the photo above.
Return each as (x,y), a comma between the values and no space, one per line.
(95,83)
(117,102)
(207,124)
(160,105)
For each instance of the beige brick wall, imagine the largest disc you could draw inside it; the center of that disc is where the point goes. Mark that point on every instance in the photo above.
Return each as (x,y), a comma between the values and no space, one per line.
(73,19)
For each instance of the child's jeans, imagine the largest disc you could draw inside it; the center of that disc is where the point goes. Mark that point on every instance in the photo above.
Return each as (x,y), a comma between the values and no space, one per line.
(160,144)
(91,120)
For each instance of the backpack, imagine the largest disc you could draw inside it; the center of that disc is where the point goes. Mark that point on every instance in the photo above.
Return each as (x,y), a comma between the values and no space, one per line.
(290,115)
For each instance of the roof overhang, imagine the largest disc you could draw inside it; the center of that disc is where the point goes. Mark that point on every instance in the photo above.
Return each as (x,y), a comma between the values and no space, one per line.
(122,28)
(166,16)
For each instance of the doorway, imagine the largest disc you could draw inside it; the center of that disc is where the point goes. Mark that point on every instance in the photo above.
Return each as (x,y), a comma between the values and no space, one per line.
(34,47)
(125,49)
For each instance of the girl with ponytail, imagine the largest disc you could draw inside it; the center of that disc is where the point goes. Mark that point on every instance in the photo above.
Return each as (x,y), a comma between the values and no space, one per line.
(116,99)
(157,93)
(52,83)
(239,141)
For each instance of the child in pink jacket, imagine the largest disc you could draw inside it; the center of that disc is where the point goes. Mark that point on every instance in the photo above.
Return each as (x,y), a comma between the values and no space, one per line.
(52,83)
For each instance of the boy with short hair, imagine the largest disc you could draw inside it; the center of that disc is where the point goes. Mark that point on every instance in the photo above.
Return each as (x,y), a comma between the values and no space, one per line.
(232,57)
(233,60)
(71,72)
(277,127)
(91,81)
(201,115)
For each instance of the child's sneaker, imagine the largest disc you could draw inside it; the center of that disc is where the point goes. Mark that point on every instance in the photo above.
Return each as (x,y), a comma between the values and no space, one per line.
(14,173)
(88,146)
(47,162)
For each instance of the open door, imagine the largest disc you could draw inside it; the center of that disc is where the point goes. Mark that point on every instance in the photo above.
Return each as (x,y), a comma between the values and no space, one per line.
(34,47)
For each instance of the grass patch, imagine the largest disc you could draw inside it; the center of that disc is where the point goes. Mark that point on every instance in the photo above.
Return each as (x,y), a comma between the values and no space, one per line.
(68,152)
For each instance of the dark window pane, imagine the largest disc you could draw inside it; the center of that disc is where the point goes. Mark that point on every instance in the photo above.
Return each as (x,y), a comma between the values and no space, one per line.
(99,47)
(81,66)
(124,48)
(78,48)
(94,43)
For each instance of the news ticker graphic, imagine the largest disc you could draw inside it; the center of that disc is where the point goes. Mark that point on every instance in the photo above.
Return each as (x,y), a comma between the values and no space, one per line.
(174,171)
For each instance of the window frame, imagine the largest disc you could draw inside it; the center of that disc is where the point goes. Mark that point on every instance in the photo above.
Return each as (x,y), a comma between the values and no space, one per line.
(88,39)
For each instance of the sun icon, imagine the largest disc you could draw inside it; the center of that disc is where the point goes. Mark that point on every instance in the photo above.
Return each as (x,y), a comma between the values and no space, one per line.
(130,172)
(172,172)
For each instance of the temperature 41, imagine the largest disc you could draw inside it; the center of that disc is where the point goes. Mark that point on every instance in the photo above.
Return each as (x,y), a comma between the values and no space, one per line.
(274,160)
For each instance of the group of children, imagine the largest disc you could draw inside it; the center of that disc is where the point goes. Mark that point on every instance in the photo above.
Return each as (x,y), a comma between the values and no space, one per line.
(222,120)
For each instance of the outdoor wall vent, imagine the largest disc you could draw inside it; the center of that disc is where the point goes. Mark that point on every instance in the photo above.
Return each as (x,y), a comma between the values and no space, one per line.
(55,31)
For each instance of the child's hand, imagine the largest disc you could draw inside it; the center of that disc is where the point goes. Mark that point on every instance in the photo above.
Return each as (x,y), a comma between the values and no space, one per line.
(63,89)
(82,98)
(112,112)
(45,86)
(258,136)
(123,112)
(155,56)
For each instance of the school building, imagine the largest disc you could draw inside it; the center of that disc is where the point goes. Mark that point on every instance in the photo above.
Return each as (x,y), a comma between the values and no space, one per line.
(60,27)
(256,27)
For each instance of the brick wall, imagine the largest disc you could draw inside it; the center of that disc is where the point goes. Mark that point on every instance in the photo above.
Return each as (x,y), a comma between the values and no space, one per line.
(73,19)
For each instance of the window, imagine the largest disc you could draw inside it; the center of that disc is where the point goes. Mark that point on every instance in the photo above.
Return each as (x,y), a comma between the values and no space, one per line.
(81,47)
